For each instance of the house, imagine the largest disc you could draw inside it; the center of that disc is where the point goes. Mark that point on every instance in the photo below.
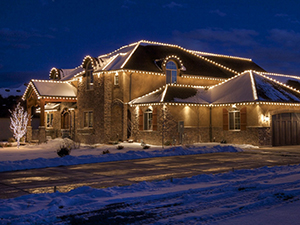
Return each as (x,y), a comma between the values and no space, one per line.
(162,93)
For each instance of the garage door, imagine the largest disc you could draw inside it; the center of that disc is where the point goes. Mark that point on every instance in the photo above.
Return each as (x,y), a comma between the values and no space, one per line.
(286,129)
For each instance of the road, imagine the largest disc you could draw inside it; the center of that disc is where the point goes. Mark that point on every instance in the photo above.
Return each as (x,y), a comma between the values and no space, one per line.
(101,175)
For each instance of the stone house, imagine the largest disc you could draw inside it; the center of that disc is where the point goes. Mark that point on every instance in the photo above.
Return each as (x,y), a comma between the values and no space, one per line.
(162,93)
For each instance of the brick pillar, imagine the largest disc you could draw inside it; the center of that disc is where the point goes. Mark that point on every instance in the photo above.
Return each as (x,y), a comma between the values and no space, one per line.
(107,107)
(29,133)
(42,134)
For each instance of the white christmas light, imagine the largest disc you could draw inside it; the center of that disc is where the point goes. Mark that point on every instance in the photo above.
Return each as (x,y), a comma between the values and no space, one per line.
(18,122)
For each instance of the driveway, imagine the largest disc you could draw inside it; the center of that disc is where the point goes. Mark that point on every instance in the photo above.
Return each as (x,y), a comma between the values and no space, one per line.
(101,175)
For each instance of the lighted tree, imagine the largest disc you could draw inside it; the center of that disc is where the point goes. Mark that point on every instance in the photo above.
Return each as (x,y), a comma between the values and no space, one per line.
(18,122)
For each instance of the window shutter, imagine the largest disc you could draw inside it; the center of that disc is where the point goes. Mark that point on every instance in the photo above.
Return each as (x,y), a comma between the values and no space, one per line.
(154,118)
(243,112)
(225,119)
(140,119)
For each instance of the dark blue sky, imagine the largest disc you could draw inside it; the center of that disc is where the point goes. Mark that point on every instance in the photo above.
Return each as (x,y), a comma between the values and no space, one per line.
(36,35)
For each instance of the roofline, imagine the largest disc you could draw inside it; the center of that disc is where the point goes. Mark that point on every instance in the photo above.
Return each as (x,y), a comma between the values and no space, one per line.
(217,104)
(31,83)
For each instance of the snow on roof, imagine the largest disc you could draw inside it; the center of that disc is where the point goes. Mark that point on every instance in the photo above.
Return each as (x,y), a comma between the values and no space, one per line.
(6,92)
(67,74)
(250,86)
(116,59)
(142,55)
(238,89)
(174,93)
(53,88)
(283,78)
(269,90)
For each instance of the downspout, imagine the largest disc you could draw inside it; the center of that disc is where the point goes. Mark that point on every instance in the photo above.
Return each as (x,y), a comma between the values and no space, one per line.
(210,124)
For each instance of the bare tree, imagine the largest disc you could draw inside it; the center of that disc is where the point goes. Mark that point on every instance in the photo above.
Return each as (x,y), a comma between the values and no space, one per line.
(18,122)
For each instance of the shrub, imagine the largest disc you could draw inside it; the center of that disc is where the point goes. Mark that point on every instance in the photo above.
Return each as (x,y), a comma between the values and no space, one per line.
(5,144)
(223,141)
(10,140)
(63,151)
(120,147)
(168,143)
(66,147)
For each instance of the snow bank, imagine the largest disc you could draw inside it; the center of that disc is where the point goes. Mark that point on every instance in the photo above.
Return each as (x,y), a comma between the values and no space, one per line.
(116,156)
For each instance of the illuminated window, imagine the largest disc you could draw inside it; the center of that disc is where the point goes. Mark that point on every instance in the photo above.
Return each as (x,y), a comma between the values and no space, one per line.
(148,120)
(116,79)
(89,76)
(234,120)
(49,120)
(88,119)
(171,72)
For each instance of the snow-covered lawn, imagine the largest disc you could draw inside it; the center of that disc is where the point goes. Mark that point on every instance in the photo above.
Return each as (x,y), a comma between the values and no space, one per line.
(45,155)
(248,197)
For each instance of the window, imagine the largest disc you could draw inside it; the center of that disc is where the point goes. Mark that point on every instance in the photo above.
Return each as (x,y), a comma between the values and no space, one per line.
(116,79)
(49,120)
(234,120)
(148,120)
(88,119)
(171,72)
(89,76)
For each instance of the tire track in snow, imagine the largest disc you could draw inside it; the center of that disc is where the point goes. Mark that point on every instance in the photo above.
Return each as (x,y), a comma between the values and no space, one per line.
(205,205)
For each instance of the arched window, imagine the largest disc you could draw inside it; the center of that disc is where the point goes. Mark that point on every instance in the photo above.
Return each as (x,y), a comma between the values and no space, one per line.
(171,72)
(148,120)
(89,76)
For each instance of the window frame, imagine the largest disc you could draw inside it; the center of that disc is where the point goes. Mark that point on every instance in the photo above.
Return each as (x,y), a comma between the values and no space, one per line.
(88,119)
(49,124)
(171,73)
(116,79)
(234,121)
(148,120)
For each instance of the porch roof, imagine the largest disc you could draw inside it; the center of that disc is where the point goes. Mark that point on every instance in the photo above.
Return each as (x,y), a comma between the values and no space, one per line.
(49,88)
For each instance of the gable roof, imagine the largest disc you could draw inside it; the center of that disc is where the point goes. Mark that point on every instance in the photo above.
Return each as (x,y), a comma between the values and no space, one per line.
(250,86)
(48,88)
(149,56)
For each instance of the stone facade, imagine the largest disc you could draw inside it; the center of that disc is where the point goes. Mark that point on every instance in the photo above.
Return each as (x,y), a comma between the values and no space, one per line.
(197,127)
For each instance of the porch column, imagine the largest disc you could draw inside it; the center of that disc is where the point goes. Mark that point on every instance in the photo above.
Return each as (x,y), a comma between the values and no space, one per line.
(42,130)
(29,127)
(42,116)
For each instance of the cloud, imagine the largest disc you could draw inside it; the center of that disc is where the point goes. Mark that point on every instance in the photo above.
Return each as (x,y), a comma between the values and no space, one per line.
(19,39)
(286,38)
(275,50)
(289,18)
(241,37)
(218,12)
(172,5)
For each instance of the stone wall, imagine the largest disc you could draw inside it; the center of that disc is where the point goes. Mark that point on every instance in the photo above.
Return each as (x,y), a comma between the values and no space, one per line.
(196,120)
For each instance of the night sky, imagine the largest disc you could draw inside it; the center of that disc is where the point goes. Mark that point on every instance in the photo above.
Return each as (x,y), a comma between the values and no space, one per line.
(36,35)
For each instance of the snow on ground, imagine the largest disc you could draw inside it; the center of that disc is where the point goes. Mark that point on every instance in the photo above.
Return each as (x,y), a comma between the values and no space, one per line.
(268,195)
(45,155)
(257,196)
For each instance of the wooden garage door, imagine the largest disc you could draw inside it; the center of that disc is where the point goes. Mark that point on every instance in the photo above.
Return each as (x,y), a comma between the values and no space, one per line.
(286,129)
